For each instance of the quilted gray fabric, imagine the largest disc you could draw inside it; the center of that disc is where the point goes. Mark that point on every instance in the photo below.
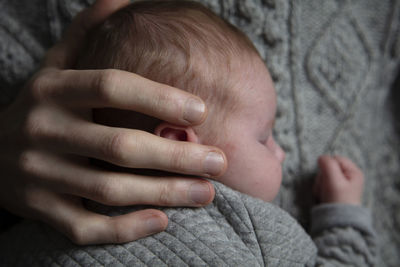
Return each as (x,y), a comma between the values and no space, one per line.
(235,230)
(333,62)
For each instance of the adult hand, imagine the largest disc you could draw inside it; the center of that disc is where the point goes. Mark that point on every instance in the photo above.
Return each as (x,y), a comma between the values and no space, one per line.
(339,180)
(47,136)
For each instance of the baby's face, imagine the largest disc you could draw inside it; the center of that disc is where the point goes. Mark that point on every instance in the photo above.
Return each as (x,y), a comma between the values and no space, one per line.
(254,158)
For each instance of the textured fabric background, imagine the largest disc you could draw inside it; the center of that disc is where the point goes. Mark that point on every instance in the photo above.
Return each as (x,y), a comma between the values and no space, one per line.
(334,64)
(234,230)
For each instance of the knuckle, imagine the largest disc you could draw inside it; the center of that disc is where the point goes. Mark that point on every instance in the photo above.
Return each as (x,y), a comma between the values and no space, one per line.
(39,85)
(28,162)
(76,233)
(105,85)
(178,158)
(118,231)
(34,125)
(106,191)
(162,97)
(114,147)
(165,191)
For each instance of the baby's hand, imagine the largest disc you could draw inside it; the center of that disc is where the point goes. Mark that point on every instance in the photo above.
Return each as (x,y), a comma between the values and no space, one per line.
(339,180)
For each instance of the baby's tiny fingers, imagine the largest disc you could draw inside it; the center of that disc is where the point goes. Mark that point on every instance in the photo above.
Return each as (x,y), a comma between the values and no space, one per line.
(349,168)
(329,167)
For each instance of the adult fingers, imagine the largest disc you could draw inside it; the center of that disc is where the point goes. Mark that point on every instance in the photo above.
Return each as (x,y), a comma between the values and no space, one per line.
(116,189)
(63,54)
(124,147)
(121,90)
(112,188)
(84,227)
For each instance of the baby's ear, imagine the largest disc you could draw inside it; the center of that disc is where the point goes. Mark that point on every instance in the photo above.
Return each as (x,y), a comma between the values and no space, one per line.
(178,133)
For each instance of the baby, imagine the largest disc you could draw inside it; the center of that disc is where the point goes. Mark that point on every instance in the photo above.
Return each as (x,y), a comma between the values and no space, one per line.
(185,45)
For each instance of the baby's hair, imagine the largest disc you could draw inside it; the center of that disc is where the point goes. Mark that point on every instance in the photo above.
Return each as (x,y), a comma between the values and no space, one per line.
(179,43)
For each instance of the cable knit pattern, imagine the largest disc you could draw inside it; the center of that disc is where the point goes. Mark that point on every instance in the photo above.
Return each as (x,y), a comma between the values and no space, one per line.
(343,235)
(333,63)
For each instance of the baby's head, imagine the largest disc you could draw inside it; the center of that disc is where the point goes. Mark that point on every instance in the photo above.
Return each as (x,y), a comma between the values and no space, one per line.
(185,45)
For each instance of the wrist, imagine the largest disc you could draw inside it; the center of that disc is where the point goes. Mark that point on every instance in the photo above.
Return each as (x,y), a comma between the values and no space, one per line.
(344,201)
(342,198)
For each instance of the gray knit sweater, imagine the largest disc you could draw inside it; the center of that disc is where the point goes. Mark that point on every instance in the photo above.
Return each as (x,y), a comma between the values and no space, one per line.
(333,63)
(235,230)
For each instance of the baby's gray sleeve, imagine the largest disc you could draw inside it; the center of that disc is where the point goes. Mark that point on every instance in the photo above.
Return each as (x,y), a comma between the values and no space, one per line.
(343,235)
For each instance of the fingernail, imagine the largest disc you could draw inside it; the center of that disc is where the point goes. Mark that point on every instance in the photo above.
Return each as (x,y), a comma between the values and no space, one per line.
(194,110)
(199,193)
(154,225)
(214,163)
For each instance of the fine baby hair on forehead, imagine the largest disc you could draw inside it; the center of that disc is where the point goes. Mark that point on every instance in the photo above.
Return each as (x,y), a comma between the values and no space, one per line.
(179,43)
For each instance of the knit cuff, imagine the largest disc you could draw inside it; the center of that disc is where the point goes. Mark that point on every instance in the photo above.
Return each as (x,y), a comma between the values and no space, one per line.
(326,216)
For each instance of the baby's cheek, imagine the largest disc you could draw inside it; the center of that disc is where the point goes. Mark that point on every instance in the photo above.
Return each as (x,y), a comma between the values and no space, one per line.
(254,171)
(265,180)
(272,179)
